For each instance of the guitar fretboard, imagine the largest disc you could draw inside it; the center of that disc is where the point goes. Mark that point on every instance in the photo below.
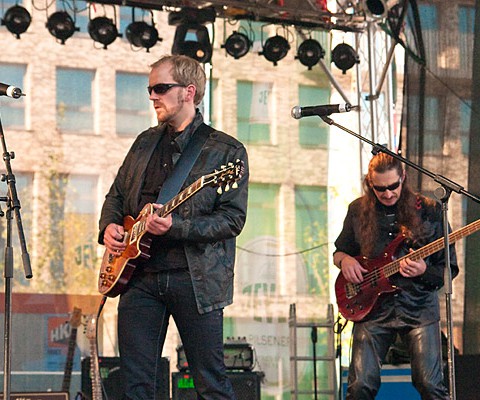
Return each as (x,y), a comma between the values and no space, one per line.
(432,248)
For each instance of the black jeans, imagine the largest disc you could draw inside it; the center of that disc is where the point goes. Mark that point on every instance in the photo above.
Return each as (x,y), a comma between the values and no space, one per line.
(371,342)
(143,314)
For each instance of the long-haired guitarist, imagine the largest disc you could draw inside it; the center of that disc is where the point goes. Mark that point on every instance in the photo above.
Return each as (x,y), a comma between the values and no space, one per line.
(391,214)
(187,256)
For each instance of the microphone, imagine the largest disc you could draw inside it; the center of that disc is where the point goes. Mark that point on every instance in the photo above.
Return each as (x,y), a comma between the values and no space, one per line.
(10,91)
(322,111)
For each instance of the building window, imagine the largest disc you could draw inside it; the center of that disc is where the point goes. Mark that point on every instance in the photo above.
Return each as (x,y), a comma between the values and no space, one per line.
(465,115)
(70,241)
(74,100)
(313,131)
(428,16)
(24,186)
(133,108)
(13,110)
(125,18)
(466,27)
(81,222)
(433,139)
(311,218)
(429,23)
(253,111)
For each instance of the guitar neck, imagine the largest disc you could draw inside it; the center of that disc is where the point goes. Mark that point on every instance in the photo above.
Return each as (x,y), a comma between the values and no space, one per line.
(67,376)
(95,372)
(180,198)
(431,248)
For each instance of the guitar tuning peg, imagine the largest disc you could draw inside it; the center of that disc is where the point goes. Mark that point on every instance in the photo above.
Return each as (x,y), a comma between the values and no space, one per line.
(219,190)
(223,167)
(235,185)
(227,187)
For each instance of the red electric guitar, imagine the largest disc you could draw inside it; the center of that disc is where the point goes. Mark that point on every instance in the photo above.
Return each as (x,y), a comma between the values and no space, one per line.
(356,300)
(116,270)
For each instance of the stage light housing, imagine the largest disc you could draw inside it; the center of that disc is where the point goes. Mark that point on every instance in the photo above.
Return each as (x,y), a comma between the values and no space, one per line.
(275,48)
(61,25)
(375,9)
(17,20)
(237,45)
(344,57)
(310,52)
(103,30)
(192,40)
(141,34)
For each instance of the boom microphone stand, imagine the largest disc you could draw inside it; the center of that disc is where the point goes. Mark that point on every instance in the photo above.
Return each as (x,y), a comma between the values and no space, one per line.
(13,206)
(443,192)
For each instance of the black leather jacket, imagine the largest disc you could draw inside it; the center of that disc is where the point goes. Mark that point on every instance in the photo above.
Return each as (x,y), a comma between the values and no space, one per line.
(207,223)
(416,301)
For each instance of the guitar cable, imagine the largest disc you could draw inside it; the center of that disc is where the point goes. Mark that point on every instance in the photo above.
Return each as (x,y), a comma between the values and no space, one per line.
(338,328)
(99,312)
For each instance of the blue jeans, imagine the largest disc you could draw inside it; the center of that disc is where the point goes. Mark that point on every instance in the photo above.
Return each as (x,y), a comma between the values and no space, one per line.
(143,314)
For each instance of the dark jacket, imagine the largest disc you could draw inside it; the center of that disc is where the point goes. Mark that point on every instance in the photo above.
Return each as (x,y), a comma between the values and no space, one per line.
(416,301)
(207,223)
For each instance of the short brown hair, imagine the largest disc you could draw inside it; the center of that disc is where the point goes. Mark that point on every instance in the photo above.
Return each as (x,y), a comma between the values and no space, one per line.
(186,71)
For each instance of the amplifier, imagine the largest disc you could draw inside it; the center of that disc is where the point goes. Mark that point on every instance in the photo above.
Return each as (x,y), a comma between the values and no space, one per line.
(246,385)
(38,396)
(113,380)
(237,354)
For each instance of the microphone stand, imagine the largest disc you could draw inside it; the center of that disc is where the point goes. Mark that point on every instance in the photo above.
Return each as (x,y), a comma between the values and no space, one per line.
(13,206)
(447,186)
(314,338)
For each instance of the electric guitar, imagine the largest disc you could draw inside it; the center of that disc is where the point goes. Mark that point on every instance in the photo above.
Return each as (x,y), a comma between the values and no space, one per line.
(91,334)
(75,321)
(356,300)
(117,269)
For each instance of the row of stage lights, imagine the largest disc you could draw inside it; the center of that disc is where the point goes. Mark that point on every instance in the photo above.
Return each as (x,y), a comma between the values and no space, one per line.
(101,29)
(140,34)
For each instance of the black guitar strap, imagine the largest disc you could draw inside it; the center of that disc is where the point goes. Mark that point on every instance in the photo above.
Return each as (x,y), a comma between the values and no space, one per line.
(174,182)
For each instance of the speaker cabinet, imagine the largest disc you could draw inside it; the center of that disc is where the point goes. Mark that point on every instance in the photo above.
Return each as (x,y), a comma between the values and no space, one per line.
(467,376)
(113,379)
(246,385)
(38,396)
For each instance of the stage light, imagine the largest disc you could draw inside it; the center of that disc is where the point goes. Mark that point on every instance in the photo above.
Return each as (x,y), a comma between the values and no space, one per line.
(344,57)
(237,45)
(17,20)
(192,40)
(275,48)
(375,9)
(61,26)
(141,34)
(103,30)
(310,52)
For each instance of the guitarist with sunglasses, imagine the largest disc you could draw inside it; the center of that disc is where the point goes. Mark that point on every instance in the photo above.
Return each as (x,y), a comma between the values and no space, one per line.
(188,273)
(391,214)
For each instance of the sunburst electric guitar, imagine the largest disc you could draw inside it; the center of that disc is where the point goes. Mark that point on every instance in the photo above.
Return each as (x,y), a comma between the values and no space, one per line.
(356,300)
(116,270)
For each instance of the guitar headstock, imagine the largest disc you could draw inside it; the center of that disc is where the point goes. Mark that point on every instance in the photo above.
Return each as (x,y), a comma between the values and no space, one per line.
(91,327)
(76,317)
(227,177)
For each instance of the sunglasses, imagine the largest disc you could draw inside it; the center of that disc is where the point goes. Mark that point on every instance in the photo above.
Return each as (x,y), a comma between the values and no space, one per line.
(162,88)
(391,187)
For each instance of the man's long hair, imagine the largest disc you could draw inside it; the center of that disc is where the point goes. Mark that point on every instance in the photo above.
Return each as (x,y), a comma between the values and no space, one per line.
(408,204)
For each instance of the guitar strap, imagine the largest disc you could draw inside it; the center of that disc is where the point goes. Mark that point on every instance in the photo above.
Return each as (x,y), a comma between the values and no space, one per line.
(174,182)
